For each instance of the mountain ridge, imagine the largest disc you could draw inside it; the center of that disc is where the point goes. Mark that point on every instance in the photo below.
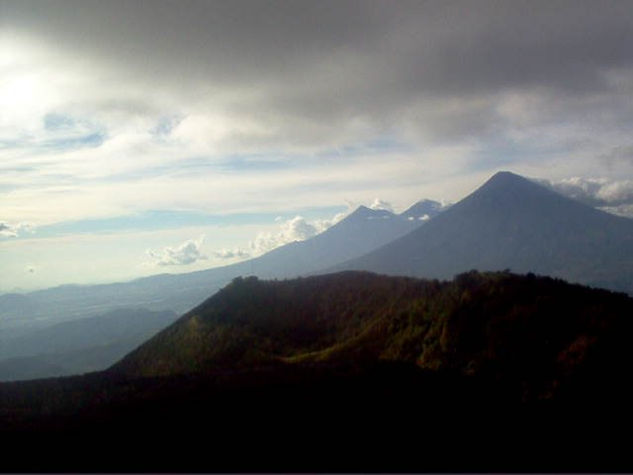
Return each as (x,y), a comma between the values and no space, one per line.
(512,222)
(487,363)
(422,208)
(479,323)
(141,291)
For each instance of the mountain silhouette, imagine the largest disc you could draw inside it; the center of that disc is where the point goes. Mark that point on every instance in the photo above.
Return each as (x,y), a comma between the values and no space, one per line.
(422,210)
(362,231)
(513,223)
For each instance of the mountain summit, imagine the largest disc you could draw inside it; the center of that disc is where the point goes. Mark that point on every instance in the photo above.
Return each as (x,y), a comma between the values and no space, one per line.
(422,210)
(364,230)
(504,179)
(512,222)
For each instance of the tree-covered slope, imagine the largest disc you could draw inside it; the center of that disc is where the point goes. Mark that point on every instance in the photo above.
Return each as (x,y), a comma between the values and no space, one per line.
(535,333)
(350,372)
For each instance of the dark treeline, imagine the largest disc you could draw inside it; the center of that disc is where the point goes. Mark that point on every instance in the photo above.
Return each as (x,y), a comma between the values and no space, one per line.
(534,332)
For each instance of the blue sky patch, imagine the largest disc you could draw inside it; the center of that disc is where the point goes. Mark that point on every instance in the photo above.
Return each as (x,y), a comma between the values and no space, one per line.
(165,219)
(55,122)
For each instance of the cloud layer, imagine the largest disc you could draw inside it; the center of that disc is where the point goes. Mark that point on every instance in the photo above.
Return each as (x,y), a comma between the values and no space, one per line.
(234,253)
(295,229)
(614,196)
(291,230)
(115,108)
(14,229)
(381,204)
(184,254)
(159,94)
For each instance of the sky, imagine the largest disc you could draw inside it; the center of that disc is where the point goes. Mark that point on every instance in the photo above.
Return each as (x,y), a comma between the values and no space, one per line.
(142,137)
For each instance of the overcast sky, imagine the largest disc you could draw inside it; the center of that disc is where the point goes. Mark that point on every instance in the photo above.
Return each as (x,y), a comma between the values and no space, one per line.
(140,137)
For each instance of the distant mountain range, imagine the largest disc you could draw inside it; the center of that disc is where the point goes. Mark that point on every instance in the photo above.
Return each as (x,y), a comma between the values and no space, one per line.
(362,231)
(513,223)
(24,318)
(359,233)
(508,223)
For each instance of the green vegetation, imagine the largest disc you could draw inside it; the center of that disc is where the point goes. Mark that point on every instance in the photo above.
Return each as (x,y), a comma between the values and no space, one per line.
(350,372)
(533,332)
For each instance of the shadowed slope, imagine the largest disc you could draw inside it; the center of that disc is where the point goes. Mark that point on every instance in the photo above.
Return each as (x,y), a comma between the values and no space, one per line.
(534,333)
(350,372)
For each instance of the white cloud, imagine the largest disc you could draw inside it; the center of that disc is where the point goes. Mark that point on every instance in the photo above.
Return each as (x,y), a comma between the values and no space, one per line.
(291,230)
(235,253)
(90,188)
(117,256)
(326,223)
(295,229)
(578,188)
(186,253)
(618,192)
(13,230)
(621,210)
(7,231)
(381,204)
(613,196)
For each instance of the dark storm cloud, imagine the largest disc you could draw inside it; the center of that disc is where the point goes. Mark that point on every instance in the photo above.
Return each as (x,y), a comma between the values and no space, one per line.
(447,46)
(235,41)
(314,69)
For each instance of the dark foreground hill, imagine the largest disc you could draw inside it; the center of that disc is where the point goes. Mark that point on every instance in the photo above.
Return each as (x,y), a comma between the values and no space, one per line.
(535,332)
(351,371)
(513,223)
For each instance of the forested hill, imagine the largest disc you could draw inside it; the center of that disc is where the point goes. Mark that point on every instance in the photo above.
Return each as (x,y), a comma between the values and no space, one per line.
(535,333)
(350,372)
